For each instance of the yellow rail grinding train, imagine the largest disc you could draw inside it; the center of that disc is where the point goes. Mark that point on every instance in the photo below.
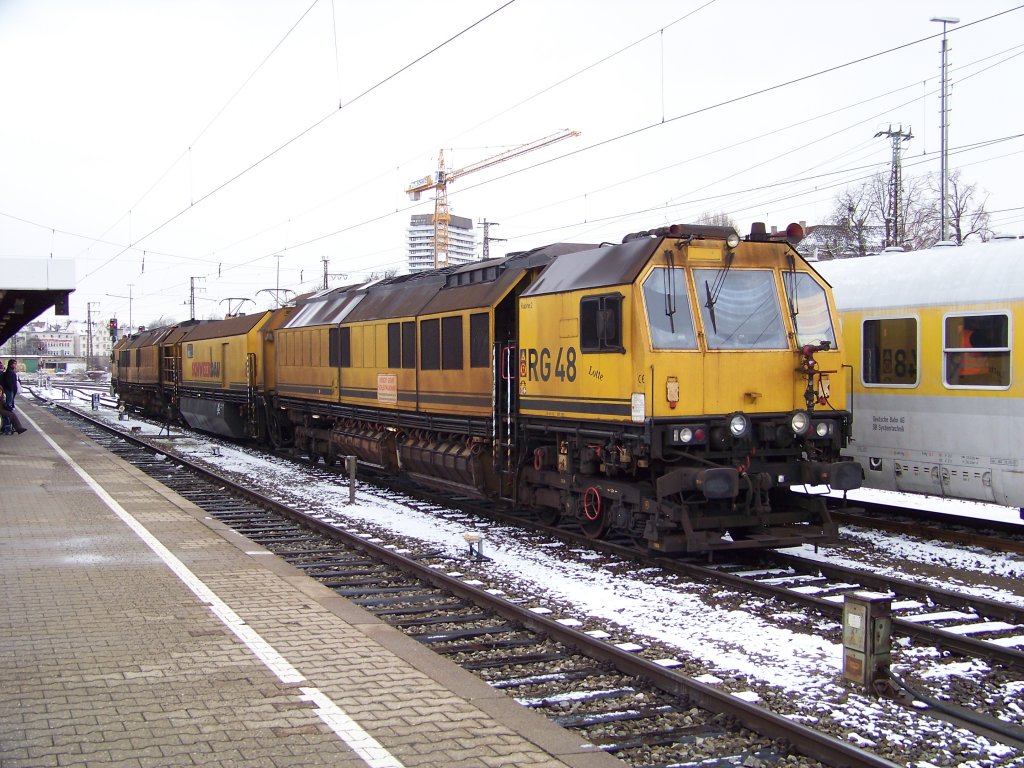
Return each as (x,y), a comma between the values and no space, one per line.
(669,389)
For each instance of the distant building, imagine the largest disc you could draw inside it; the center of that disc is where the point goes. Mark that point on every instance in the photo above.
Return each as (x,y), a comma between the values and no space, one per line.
(68,339)
(420,241)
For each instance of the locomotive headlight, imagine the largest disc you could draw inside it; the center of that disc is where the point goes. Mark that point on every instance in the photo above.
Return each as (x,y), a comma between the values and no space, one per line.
(823,428)
(686,435)
(799,421)
(739,425)
(732,240)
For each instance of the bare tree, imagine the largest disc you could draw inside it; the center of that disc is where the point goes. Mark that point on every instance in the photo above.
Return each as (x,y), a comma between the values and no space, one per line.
(161,322)
(854,214)
(965,217)
(918,209)
(716,219)
(859,212)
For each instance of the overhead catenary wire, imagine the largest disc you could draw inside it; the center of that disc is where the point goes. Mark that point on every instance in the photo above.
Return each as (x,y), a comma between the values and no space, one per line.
(306,131)
(378,218)
(188,150)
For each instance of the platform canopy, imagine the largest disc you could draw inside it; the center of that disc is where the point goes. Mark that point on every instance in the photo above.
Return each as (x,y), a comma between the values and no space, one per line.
(29,287)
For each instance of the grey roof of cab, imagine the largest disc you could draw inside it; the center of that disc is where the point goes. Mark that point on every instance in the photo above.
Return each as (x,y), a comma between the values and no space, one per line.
(595,268)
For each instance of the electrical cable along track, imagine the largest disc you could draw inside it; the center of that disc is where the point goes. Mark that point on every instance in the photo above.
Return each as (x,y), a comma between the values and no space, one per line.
(641,711)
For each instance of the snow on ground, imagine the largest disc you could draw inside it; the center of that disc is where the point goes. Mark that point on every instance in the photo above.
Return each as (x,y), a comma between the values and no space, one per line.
(731,641)
(911,552)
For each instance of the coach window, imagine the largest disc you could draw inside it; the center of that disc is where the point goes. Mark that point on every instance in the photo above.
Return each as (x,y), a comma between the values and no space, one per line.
(451,343)
(394,345)
(345,347)
(977,350)
(430,345)
(890,352)
(409,344)
(601,323)
(668,309)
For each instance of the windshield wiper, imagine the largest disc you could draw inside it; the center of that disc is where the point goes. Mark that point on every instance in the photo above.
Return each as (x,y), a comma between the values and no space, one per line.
(792,297)
(711,307)
(669,286)
(714,293)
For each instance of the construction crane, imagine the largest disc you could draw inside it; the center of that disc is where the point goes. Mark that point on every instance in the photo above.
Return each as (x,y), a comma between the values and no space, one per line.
(444,177)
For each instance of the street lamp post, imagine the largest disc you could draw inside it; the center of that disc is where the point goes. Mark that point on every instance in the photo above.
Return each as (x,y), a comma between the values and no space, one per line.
(944,133)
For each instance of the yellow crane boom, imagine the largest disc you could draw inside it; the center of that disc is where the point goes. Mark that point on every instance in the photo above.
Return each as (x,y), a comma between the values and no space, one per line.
(444,177)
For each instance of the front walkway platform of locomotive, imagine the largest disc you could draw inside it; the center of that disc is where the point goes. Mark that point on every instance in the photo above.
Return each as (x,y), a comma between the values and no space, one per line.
(138,631)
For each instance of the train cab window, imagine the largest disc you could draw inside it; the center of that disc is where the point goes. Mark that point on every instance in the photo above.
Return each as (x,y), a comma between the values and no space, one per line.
(890,351)
(601,323)
(810,304)
(740,309)
(977,350)
(451,343)
(668,309)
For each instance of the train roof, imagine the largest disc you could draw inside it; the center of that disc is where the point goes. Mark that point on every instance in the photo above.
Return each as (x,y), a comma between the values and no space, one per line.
(973,273)
(167,334)
(230,326)
(468,286)
(594,267)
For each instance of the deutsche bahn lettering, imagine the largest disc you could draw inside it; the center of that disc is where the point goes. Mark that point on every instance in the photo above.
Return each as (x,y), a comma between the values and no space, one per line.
(206,370)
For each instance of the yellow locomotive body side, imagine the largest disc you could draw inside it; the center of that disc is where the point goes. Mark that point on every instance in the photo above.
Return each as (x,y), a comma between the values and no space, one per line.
(674,386)
(224,373)
(647,374)
(222,362)
(302,364)
(449,381)
(368,378)
(144,369)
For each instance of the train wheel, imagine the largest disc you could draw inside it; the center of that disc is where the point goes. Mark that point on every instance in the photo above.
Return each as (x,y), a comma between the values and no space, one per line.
(549,516)
(594,519)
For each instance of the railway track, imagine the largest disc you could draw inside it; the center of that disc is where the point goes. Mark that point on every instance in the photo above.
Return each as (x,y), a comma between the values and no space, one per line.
(647,713)
(990,534)
(967,625)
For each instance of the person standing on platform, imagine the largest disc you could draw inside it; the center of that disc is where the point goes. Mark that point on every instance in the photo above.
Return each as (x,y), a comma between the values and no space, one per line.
(10,417)
(9,383)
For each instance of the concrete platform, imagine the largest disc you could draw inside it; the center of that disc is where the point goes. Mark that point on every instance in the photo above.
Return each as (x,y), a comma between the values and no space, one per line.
(137,631)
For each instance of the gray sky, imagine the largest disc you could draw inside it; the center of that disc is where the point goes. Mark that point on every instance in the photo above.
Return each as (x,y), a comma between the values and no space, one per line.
(154,142)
